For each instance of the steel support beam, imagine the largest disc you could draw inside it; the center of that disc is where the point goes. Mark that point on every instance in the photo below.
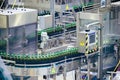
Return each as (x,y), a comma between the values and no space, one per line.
(52,11)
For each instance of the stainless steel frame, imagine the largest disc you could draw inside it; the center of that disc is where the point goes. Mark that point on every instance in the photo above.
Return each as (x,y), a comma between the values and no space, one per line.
(94,17)
(17,17)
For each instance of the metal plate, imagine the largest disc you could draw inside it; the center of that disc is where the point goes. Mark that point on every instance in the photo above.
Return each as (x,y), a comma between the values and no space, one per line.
(3,21)
(22,18)
(17,18)
(91,16)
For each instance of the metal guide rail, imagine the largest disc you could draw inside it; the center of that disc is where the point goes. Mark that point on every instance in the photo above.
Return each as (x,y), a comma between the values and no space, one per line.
(59,29)
(49,64)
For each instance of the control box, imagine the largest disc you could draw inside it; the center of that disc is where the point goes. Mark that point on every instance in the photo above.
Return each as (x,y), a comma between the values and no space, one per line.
(87,41)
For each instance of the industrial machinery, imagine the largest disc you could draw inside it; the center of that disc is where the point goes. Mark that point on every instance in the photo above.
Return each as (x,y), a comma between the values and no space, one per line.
(87,41)
(15,36)
(18,41)
(88,37)
(89,27)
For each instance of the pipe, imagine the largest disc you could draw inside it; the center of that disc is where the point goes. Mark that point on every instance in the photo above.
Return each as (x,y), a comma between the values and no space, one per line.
(94,23)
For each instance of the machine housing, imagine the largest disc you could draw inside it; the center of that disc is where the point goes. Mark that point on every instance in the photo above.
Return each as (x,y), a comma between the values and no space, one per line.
(87,41)
(18,33)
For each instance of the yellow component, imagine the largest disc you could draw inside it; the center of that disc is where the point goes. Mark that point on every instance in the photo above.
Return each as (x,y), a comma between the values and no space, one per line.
(95,49)
(86,49)
(117,66)
(82,44)
(14,4)
(86,52)
(87,36)
(53,71)
(32,72)
(67,7)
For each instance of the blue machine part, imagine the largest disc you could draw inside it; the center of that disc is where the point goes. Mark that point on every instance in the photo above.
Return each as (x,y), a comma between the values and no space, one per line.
(94,78)
(92,38)
(84,77)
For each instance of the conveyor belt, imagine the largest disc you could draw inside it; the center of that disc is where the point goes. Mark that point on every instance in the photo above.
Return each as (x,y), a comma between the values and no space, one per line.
(40,58)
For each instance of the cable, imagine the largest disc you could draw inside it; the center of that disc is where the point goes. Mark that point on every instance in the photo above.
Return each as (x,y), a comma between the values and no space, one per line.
(14,4)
